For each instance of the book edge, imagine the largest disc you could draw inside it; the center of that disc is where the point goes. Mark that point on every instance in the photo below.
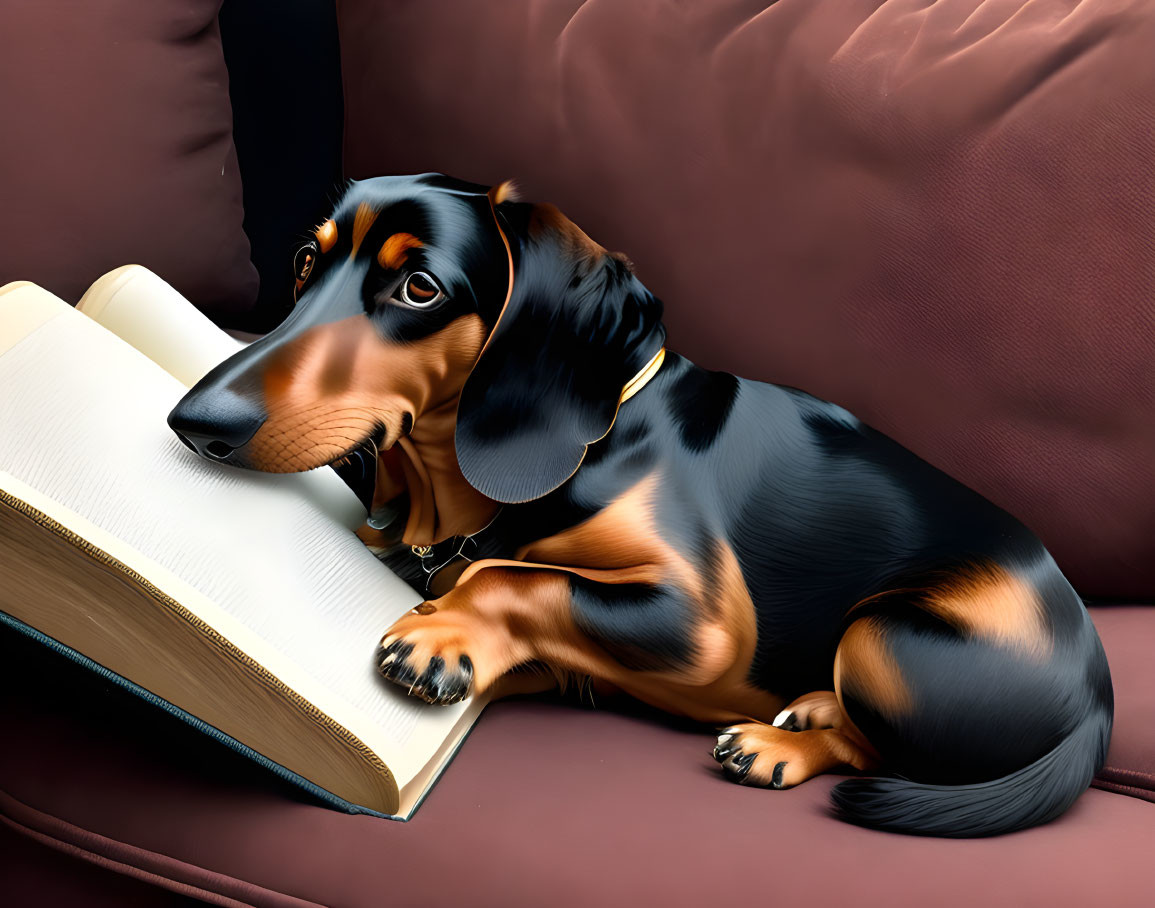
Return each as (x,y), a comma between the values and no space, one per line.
(465,725)
(326,722)
(27,308)
(322,794)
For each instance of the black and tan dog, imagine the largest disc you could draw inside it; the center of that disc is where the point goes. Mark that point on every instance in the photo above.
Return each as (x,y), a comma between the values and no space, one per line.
(736,552)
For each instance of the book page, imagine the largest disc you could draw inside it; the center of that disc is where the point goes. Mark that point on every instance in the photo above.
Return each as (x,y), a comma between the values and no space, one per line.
(141,308)
(83,419)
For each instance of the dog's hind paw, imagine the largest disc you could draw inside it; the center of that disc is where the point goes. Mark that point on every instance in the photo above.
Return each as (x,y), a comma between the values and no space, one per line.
(736,761)
(771,757)
(433,678)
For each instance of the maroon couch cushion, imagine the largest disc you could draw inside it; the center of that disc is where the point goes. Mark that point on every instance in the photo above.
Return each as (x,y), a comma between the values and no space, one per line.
(33,875)
(936,214)
(117,148)
(545,804)
(1128,636)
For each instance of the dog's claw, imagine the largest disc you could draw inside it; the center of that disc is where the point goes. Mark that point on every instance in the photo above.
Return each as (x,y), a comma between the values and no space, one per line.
(736,767)
(390,652)
(787,720)
(776,779)
(725,747)
(429,677)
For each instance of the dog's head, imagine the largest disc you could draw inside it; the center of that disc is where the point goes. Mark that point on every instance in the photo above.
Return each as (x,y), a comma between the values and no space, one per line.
(424,291)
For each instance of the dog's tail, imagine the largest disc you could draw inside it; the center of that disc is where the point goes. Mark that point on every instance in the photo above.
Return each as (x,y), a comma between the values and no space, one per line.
(988,726)
(1035,794)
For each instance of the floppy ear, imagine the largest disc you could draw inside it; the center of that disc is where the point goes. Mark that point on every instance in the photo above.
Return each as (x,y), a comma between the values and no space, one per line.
(577,326)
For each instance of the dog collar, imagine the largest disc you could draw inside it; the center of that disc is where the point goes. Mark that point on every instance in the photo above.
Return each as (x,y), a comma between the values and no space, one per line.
(639,381)
(432,562)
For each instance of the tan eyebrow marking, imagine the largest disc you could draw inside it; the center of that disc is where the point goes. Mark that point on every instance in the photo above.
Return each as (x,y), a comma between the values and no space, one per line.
(326,236)
(362,221)
(396,250)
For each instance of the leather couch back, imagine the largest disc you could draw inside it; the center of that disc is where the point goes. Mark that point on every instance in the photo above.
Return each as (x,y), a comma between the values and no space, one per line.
(937,215)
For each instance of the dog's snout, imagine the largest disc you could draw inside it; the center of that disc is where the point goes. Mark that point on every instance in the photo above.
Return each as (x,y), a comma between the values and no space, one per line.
(216,424)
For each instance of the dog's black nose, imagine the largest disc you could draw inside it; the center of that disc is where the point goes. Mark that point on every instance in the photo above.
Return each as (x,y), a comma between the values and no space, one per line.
(215,423)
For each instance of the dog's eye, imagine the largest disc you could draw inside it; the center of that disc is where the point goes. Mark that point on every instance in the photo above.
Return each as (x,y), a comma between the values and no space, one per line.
(304,260)
(420,290)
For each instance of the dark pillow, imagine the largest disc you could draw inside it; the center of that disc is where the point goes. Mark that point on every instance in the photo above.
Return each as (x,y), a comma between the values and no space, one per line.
(285,88)
(117,148)
(937,215)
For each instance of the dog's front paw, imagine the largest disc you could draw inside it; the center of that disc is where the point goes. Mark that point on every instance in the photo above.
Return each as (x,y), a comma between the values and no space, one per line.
(437,671)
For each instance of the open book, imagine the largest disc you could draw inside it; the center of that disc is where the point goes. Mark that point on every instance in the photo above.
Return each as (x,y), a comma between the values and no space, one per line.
(241,601)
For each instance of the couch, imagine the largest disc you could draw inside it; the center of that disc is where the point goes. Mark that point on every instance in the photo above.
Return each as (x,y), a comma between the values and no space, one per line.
(938,215)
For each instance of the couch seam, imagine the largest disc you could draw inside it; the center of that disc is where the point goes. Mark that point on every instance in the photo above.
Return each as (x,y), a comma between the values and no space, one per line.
(26,826)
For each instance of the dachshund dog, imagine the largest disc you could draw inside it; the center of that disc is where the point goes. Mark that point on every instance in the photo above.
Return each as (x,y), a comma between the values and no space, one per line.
(578,502)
